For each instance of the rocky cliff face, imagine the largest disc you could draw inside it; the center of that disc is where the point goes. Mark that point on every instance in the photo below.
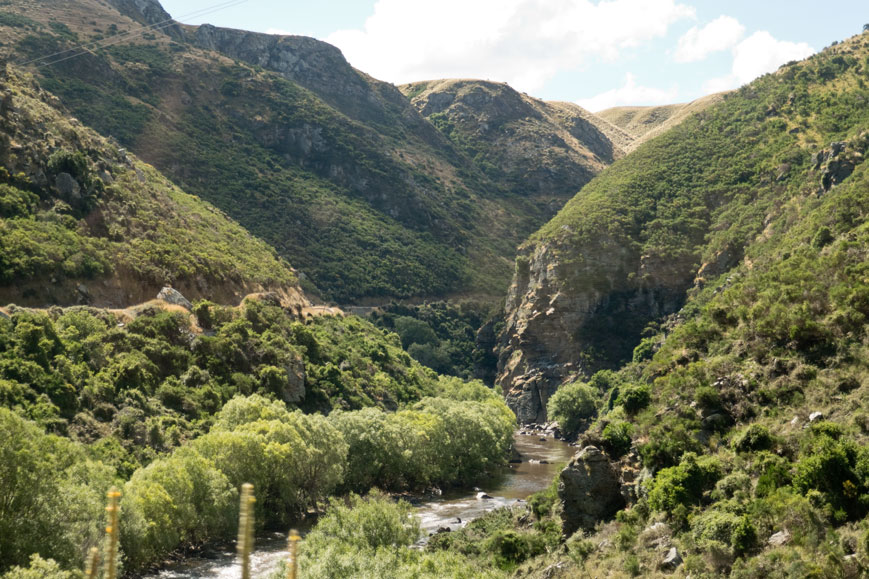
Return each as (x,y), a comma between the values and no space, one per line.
(572,310)
(317,66)
(148,12)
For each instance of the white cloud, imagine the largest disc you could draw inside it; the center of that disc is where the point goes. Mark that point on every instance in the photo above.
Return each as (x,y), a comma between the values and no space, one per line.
(755,56)
(721,34)
(630,94)
(278,32)
(523,42)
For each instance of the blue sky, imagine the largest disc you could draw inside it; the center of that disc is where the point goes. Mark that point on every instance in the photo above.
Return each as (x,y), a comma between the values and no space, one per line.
(597,53)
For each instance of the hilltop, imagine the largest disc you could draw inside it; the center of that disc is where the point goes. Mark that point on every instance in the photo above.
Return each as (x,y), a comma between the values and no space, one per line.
(539,150)
(644,123)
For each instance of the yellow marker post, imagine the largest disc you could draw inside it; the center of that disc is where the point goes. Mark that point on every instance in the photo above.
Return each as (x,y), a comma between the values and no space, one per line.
(245,528)
(112,534)
(93,564)
(293,561)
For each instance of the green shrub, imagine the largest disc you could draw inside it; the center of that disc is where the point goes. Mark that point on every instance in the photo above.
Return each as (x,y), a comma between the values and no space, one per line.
(683,484)
(512,547)
(635,398)
(743,538)
(753,438)
(616,437)
(572,405)
(40,568)
(645,350)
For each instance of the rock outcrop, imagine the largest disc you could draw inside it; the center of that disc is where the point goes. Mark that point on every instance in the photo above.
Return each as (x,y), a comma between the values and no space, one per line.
(174,297)
(574,310)
(148,12)
(838,161)
(589,491)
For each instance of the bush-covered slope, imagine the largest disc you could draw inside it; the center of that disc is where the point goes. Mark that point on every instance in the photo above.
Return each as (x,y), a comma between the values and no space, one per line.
(83,221)
(740,419)
(334,169)
(682,210)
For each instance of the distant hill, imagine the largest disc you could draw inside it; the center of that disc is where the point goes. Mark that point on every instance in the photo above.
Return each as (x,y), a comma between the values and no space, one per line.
(644,123)
(543,151)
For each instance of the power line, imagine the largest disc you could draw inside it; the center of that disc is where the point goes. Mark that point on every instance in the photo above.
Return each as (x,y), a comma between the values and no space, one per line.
(128,35)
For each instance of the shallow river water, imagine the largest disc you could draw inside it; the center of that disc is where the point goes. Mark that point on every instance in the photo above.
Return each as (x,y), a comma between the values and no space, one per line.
(541,460)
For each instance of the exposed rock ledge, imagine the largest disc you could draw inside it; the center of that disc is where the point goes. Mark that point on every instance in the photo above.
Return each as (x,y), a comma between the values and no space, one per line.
(574,310)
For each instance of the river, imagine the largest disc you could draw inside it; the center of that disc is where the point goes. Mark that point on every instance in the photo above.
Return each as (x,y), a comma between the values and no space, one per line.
(541,460)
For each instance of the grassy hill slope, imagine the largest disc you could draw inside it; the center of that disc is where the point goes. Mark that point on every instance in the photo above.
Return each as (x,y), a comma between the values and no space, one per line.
(86,222)
(644,123)
(747,404)
(541,151)
(334,169)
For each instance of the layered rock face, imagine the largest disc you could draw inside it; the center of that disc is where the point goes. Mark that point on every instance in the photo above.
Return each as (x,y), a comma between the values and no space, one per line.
(574,310)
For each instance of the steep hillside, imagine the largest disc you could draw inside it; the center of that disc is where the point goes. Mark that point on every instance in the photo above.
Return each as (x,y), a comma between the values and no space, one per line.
(681,211)
(334,169)
(731,438)
(644,123)
(86,222)
(544,151)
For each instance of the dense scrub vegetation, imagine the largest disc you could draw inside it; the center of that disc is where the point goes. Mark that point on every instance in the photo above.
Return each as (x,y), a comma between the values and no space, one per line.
(145,386)
(442,335)
(185,418)
(74,207)
(371,537)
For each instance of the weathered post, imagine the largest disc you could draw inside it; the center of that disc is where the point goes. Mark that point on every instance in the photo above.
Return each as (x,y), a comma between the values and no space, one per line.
(293,561)
(112,534)
(245,528)
(93,564)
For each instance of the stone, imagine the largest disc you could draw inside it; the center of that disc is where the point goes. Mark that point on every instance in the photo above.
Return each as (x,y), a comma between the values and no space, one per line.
(715,422)
(589,490)
(5,104)
(483,496)
(816,416)
(779,539)
(174,297)
(83,290)
(294,391)
(672,560)
(67,186)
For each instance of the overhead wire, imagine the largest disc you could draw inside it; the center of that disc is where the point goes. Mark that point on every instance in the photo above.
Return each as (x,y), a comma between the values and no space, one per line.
(83,49)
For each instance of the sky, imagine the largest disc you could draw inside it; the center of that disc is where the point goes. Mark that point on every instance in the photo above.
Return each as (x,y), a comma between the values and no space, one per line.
(597,53)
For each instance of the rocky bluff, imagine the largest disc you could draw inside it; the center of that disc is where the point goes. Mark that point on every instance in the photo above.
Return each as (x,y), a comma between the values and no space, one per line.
(575,308)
